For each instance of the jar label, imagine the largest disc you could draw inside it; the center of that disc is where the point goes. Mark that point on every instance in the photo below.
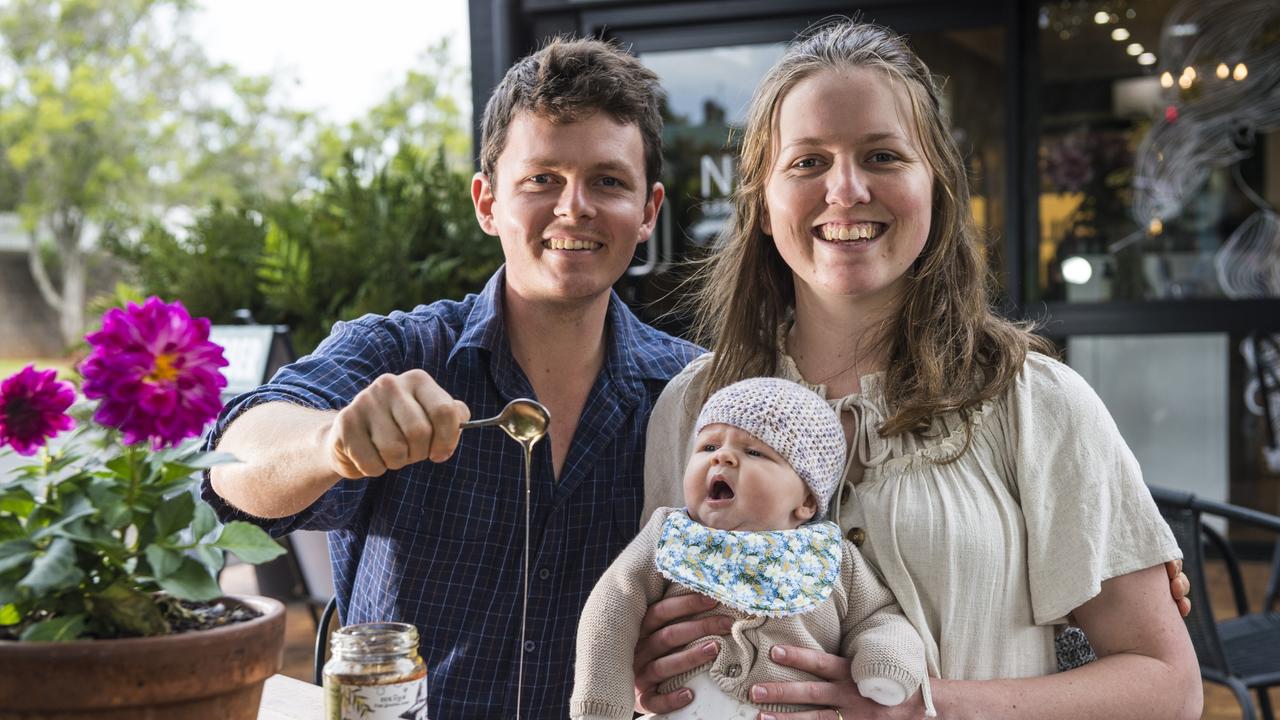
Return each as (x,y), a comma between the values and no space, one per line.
(394,701)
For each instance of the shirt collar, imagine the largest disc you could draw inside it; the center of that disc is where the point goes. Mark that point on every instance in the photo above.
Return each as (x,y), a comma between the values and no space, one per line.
(484,327)
(630,357)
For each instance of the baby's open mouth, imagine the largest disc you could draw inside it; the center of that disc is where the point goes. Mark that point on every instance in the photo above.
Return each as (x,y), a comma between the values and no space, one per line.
(720,490)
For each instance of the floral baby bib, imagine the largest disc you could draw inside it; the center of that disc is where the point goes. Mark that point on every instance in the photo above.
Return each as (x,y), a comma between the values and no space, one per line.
(774,573)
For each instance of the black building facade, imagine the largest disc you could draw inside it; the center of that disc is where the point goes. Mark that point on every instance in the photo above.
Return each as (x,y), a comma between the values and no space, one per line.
(1122,162)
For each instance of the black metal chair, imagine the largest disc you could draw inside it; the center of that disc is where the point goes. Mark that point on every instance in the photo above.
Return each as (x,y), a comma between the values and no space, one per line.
(322,638)
(1242,653)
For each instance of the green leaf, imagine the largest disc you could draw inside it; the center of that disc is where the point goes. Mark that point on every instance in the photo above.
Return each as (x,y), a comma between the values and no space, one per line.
(14,553)
(191,581)
(163,561)
(130,609)
(11,528)
(210,557)
(175,473)
(249,542)
(77,507)
(107,496)
(103,540)
(59,629)
(174,514)
(119,465)
(17,501)
(206,460)
(9,615)
(204,522)
(53,570)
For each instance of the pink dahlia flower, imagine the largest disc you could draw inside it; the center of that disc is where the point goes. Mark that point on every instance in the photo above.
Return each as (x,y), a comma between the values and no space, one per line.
(155,372)
(33,408)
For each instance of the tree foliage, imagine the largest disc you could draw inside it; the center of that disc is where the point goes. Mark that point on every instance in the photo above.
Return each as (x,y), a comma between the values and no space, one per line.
(111,115)
(109,112)
(385,223)
(421,112)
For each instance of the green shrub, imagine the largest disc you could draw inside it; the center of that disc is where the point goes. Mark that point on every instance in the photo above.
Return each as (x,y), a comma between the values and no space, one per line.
(368,240)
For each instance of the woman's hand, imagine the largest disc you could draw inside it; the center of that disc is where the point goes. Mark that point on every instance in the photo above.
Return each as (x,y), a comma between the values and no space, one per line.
(667,626)
(1179,586)
(838,693)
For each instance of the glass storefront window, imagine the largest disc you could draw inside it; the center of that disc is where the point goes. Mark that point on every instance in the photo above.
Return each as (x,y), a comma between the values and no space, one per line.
(708,90)
(1171,408)
(1154,156)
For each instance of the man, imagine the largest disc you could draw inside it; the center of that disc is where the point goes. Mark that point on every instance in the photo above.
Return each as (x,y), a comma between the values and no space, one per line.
(359,438)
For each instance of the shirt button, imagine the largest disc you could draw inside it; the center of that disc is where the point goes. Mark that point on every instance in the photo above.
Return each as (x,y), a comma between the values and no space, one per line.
(733,670)
(528,646)
(857,536)
(544,574)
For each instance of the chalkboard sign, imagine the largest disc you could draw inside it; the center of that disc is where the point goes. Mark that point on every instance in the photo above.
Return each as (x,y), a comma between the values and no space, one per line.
(253,353)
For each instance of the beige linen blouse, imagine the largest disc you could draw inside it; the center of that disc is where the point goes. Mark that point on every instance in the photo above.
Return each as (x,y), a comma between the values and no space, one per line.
(988,553)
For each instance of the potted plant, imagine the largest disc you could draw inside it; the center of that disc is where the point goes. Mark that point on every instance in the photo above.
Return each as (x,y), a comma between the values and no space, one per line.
(109,601)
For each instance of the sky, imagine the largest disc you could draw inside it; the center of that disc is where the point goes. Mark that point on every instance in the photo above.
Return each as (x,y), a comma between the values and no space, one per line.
(336,57)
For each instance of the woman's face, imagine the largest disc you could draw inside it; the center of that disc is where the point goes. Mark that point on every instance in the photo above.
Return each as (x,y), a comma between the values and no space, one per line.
(848,200)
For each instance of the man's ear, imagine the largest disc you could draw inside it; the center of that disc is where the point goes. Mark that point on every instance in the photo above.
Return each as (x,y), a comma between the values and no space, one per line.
(808,508)
(482,199)
(652,209)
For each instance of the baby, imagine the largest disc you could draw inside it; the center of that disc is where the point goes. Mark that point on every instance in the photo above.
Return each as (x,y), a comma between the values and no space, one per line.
(768,455)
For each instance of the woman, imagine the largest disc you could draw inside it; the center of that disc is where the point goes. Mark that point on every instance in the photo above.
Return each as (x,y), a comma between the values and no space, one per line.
(986,480)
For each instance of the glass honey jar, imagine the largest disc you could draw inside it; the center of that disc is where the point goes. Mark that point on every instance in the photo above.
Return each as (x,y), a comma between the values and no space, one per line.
(375,673)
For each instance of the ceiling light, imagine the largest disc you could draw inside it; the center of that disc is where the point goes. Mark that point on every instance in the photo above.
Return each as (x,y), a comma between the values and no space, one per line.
(1166,79)
(1146,58)
(1184,29)
(1189,72)
(1241,72)
(1223,71)
(1119,34)
(1155,227)
(1102,17)
(1185,81)
(1076,270)
(1134,49)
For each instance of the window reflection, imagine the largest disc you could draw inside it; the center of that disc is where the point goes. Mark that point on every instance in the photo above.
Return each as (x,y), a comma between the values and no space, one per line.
(1148,157)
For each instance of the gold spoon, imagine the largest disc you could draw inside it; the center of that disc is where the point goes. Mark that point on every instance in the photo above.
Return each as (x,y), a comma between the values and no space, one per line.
(526,422)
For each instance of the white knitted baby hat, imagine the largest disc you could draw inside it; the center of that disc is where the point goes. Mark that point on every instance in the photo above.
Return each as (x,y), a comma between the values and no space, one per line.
(791,419)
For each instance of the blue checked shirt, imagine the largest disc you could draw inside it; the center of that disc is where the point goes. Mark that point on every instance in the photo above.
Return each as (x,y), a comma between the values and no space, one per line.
(440,545)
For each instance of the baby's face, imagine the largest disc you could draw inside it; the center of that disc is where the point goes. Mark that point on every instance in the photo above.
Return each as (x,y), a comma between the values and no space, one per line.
(736,482)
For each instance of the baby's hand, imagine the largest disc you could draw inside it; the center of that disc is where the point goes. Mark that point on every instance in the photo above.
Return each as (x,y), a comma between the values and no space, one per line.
(883,690)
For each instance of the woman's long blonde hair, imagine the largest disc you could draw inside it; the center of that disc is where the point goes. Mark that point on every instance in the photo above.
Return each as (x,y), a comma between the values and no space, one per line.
(948,351)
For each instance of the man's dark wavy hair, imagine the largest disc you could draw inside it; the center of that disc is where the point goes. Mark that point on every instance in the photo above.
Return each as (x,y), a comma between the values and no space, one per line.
(568,80)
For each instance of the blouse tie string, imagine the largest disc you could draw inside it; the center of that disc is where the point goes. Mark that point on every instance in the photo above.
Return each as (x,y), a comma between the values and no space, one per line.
(871,449)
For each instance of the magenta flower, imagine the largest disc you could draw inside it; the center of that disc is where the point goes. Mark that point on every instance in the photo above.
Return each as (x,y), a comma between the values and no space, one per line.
(155,372)
(33,408)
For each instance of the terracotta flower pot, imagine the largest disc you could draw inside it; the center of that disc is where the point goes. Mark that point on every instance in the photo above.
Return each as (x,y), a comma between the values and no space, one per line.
(205,675)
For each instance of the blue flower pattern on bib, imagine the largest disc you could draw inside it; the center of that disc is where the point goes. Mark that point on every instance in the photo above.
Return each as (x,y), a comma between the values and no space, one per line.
(774,572)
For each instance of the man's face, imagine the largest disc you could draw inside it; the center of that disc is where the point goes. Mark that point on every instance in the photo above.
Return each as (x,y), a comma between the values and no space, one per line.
(569,203)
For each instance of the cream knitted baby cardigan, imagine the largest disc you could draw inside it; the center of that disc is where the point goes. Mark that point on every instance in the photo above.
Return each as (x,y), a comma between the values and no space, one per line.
(860,621)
